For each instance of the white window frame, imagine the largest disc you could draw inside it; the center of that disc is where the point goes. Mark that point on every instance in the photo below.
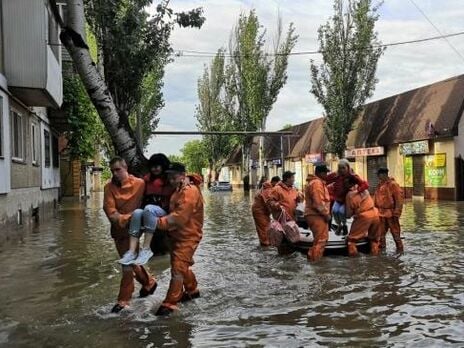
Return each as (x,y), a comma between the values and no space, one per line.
(14,157)
(35,143)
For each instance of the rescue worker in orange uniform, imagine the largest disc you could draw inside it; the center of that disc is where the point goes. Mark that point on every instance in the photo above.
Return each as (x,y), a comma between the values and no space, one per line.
(388,200)
(285,197)
(124,194)
(260,210)
(317,211)
(360,206)
(184,226)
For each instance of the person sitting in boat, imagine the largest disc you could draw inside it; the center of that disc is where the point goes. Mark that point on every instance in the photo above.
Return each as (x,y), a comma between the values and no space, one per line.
(340,191)
(360,206)
(156,204)
(260,210)
(317,211)
(284,197)
(388,199)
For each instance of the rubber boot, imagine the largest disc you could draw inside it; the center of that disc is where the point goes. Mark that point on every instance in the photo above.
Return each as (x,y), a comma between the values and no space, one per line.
(352,249)
(375,248)
(315,253)
(383,242)
(399,246)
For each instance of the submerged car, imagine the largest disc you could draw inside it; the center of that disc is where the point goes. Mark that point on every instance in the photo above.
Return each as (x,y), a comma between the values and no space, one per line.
(221,186)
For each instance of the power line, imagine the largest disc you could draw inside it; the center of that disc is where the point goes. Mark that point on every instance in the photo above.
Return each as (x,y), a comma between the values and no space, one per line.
(444,37)
(208,54)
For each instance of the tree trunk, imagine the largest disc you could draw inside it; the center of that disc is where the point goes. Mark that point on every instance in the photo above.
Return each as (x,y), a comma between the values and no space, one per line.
(123,138)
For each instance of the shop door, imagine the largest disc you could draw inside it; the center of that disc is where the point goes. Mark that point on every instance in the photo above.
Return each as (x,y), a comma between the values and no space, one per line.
(373,164)
(418,176)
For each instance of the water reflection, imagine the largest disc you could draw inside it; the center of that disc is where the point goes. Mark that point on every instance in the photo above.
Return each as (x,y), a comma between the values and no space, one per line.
(59,283)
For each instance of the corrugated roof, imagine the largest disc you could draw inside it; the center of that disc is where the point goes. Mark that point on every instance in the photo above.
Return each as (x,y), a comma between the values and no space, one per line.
(407,116)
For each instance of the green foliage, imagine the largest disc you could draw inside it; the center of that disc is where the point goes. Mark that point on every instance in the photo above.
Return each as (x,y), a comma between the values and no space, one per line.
(86,128)
(194,156)
(287,126)
(350,51)
(254,78)
(211,113)
(134,49)
(176,158)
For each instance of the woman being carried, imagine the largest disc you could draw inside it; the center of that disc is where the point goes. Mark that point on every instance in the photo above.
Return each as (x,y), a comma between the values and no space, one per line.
(156,204)
(340,191)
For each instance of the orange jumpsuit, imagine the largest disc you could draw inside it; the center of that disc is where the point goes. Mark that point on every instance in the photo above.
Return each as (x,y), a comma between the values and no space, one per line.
(366,220)
(283,196)
(317,214)
(388,200)
(124,200)
(286,198)
(185,231)
(261,213)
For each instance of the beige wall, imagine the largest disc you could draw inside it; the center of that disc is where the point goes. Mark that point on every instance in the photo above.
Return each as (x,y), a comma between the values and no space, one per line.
(396,161)
(25,174)
(447,146)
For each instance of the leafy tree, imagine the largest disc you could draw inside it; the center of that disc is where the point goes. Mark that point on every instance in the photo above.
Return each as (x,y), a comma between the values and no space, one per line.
(211,114)
(253,77)
(131,46)
(194,156)
(176,158)
(86,130)
(350,50)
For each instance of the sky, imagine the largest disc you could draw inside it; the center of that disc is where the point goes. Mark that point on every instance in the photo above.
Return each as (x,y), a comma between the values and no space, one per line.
(401,68)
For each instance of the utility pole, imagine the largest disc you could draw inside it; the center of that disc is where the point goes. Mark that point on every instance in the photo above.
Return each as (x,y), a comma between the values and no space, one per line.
(282,160)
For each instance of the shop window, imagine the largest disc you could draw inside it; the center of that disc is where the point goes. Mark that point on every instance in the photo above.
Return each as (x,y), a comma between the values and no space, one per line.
(35,143)
(47,148)
(56,155)
(17,136)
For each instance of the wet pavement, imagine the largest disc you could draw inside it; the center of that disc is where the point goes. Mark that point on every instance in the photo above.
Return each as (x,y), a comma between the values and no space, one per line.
(59,281)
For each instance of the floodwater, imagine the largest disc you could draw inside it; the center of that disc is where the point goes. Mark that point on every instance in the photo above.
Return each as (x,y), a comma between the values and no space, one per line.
(58,283)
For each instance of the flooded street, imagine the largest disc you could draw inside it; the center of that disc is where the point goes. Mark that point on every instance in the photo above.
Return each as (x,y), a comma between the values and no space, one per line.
(59,282)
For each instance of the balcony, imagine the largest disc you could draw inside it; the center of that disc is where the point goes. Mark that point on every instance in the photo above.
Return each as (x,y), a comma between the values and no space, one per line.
(31,53)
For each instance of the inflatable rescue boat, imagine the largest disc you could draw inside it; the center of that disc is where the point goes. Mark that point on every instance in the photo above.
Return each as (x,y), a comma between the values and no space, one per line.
(336,245)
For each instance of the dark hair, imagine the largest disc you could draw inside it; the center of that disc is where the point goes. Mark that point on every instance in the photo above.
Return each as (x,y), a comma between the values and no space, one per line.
(287,175)
(118,159)
(351,180)
(275,179)
(159,159)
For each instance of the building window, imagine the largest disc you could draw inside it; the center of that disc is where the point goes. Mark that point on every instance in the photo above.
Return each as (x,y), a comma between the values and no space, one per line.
(56,157)
(35,143)
(17,136)
(47,147)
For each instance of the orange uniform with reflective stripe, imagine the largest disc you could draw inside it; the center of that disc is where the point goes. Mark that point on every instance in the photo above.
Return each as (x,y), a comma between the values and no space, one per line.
(366,219)
(389,201)
(185,231)
(261,213)
(124,199)
(317,210)
(317,198)
(283,196)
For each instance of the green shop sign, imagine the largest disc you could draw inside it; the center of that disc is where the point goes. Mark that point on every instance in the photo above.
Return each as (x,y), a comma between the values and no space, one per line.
(408,182)
(435,170)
